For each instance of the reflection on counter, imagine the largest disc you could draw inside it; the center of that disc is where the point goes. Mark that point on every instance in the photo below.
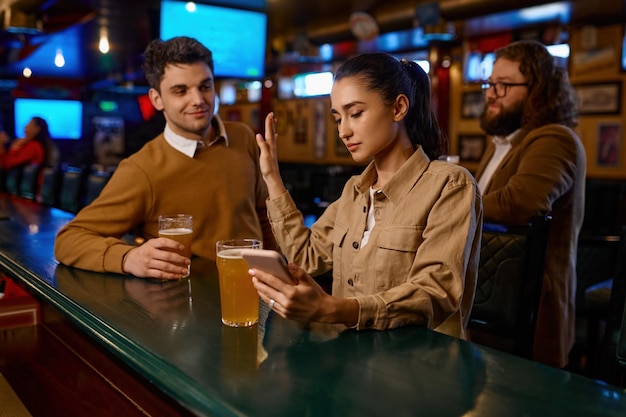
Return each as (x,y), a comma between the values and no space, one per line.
(166,302)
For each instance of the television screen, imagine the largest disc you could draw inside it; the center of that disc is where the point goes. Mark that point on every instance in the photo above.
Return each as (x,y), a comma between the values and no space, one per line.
(64,117)
(236,37)
(313,84)
(477,66)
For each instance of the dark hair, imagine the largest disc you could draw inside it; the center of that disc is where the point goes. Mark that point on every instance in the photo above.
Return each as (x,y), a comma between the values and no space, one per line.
(43,137)
(551,97)
(389,77)
(178,50)
(44,132)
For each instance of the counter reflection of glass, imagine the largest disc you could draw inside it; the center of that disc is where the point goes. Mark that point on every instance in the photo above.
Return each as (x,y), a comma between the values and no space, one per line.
(239,352)
(239,298)
(166,302)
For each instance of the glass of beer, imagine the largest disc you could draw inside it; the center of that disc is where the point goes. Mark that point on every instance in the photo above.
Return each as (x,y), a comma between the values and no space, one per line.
(239,298)
(178,227)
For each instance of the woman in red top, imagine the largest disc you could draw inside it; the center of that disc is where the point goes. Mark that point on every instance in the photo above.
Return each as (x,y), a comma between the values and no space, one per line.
(31,149)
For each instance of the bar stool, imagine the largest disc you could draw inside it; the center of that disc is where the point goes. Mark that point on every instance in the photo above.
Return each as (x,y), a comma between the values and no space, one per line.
(30,181)
(70,194)
(613,345)
(13,179)
(595,265)
(95,183)
(510,275)
(50,183)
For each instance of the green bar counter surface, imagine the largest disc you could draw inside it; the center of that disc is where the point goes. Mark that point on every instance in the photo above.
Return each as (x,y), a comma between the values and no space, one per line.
(171,334)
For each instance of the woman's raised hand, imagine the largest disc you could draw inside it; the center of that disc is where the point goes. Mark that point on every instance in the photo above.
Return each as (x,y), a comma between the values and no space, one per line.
(268,159)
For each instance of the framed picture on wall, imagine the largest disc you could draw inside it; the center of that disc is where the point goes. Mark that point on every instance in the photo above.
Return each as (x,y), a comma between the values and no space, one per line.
(609,144)
(472,147)
(301,123)
(599,98)
(108,140)
(472,104)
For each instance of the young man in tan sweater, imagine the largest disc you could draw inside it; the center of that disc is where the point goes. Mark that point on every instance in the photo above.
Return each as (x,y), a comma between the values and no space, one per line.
(199,165)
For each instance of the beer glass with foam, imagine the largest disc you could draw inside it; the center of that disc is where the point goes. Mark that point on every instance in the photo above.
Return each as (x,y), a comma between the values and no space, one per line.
(239,298)
(179,228)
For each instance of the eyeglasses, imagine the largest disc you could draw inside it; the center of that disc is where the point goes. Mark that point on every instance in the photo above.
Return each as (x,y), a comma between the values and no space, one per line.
(500,88)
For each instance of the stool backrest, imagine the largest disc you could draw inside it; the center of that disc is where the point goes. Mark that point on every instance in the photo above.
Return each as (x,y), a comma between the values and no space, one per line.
(95,183)
(71,193)
(30,181)
(50,184)
(510,276)
(595,263)
(612,353)
(12,180)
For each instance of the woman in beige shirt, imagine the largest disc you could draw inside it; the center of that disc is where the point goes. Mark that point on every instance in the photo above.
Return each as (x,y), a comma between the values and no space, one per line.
(403,238)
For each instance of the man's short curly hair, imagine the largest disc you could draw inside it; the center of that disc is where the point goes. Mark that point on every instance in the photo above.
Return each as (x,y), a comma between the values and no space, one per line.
(178,50)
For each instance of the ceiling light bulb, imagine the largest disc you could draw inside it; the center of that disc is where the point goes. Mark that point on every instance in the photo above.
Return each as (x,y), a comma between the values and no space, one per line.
(103,46)
(59,59)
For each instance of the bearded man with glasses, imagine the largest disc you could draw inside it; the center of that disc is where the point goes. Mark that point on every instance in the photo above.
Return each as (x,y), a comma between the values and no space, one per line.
(536,165)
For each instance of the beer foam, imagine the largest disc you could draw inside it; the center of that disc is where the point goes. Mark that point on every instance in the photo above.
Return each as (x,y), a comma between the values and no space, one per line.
(175,231)
(230,253)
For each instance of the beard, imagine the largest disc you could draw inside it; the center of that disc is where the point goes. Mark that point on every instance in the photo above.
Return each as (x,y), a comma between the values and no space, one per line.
(503,123)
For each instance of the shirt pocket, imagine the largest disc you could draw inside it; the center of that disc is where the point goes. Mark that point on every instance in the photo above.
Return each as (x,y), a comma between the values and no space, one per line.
(396,247)
(338,239)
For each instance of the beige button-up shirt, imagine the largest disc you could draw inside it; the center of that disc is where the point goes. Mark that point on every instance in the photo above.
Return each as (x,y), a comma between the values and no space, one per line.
(421,261)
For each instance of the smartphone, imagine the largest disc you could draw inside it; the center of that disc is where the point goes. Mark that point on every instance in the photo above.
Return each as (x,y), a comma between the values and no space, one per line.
(268,261)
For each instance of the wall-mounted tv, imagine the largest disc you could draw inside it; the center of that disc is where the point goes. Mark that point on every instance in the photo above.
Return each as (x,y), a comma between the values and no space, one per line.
(64,117)
(313,84)
(235,36)
(477,66)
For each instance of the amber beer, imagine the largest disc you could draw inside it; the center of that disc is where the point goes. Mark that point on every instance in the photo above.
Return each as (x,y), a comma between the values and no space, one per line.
(178,227)
(181,235)
(239,298)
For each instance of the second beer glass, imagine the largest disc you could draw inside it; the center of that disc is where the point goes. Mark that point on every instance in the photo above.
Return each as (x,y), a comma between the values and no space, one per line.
(239,298)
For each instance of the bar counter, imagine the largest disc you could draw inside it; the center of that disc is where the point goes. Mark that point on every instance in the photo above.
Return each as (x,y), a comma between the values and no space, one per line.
(171,335)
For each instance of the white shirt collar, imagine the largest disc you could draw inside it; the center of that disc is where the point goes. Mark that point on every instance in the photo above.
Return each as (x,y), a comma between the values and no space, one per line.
(499,140)
(189,146)
(503,146)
